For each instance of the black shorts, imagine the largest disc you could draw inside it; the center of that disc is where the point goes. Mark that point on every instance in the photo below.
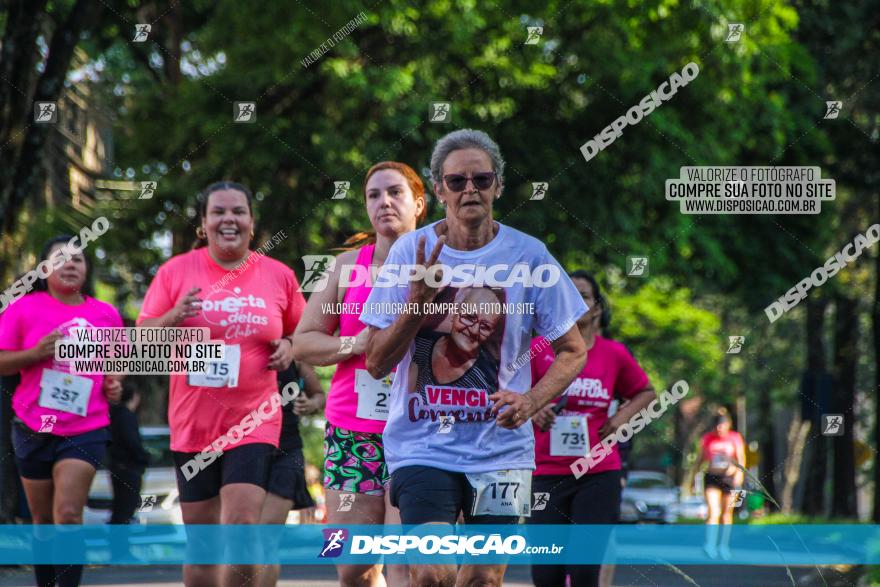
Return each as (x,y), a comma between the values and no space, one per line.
(287,477)
(722,482)
(426,494)
(592,499)
(242,464)
(37,452)
(563,499)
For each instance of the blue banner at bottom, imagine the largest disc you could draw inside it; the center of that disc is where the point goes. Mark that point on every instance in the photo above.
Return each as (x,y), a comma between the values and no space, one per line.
(442,544)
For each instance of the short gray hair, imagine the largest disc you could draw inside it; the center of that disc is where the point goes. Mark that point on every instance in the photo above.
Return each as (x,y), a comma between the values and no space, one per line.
(465,138)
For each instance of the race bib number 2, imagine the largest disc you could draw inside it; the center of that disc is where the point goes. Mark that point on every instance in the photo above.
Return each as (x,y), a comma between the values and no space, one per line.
(568,437)
(502,493)
(222,373)
(65,392)
(373,395)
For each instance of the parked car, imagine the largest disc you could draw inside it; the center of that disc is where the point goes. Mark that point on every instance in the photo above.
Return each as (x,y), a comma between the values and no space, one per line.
(649,497)
(161,504)
(693,507)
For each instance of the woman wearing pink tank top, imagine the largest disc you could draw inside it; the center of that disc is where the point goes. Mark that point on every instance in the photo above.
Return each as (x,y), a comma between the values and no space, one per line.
(330,332)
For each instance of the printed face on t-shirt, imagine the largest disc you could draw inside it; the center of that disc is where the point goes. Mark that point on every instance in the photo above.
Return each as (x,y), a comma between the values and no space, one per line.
(476,321)
(456,361)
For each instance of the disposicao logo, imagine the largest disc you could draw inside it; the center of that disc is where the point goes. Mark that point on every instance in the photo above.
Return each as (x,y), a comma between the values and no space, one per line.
(334,542)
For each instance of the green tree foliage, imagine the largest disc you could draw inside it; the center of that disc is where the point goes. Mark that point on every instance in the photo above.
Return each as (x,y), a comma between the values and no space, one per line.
(367,99)
(759,101)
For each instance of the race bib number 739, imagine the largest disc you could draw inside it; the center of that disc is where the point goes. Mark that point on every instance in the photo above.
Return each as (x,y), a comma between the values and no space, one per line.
(569,437)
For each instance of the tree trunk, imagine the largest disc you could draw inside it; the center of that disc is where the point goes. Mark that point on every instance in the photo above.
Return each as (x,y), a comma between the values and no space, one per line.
(22,169)
(677,457)
(173,21)
(845,359)
(814,381)
(18,59)
(876,328)
(18,65)
(796,441)
(768,446)
(28,167)
(9,493)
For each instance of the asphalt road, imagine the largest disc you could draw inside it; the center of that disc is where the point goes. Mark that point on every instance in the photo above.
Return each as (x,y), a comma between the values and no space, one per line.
(517,576)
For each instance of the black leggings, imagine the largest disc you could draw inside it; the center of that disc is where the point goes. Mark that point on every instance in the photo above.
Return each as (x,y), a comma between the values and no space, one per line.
(126,493)
(592,499)
(58,575)
(61,575)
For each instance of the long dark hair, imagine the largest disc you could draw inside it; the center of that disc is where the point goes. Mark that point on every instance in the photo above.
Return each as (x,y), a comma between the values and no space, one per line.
(41,284)
(205,195)
(605,320)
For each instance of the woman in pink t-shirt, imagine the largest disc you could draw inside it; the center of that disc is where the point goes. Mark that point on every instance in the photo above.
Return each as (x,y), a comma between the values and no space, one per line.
(579,419)
(357,405)
(252,303)
(723,452)
(59,432)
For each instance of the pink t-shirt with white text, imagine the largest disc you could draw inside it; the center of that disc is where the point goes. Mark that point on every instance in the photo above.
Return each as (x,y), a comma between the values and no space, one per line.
(28,320)
(250,307)
(719,451)
(610,371)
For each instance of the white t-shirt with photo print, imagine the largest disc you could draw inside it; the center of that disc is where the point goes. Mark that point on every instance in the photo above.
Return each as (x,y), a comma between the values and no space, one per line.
(418,430)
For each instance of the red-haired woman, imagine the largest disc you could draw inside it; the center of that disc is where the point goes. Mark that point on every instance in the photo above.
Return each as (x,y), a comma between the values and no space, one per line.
(355,473)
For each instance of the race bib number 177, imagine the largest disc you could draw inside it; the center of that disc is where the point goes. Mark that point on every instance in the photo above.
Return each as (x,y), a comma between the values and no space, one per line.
(502,493)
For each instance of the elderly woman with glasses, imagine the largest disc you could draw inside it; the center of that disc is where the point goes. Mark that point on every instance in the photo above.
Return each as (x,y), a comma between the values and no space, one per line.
(451,447)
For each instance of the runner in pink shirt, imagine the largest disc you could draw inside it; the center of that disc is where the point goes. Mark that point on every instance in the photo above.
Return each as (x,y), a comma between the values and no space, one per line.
(566,429)
(357,405)
(723,452)
(59,432)
(252,303)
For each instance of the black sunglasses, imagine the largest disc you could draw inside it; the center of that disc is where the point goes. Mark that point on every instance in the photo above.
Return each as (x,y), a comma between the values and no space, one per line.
(482,181)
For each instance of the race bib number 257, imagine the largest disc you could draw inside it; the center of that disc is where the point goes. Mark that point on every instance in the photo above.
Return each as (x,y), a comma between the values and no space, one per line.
(65,392)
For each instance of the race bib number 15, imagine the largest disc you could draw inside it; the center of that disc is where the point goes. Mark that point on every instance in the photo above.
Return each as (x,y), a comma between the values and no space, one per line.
(219,373)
